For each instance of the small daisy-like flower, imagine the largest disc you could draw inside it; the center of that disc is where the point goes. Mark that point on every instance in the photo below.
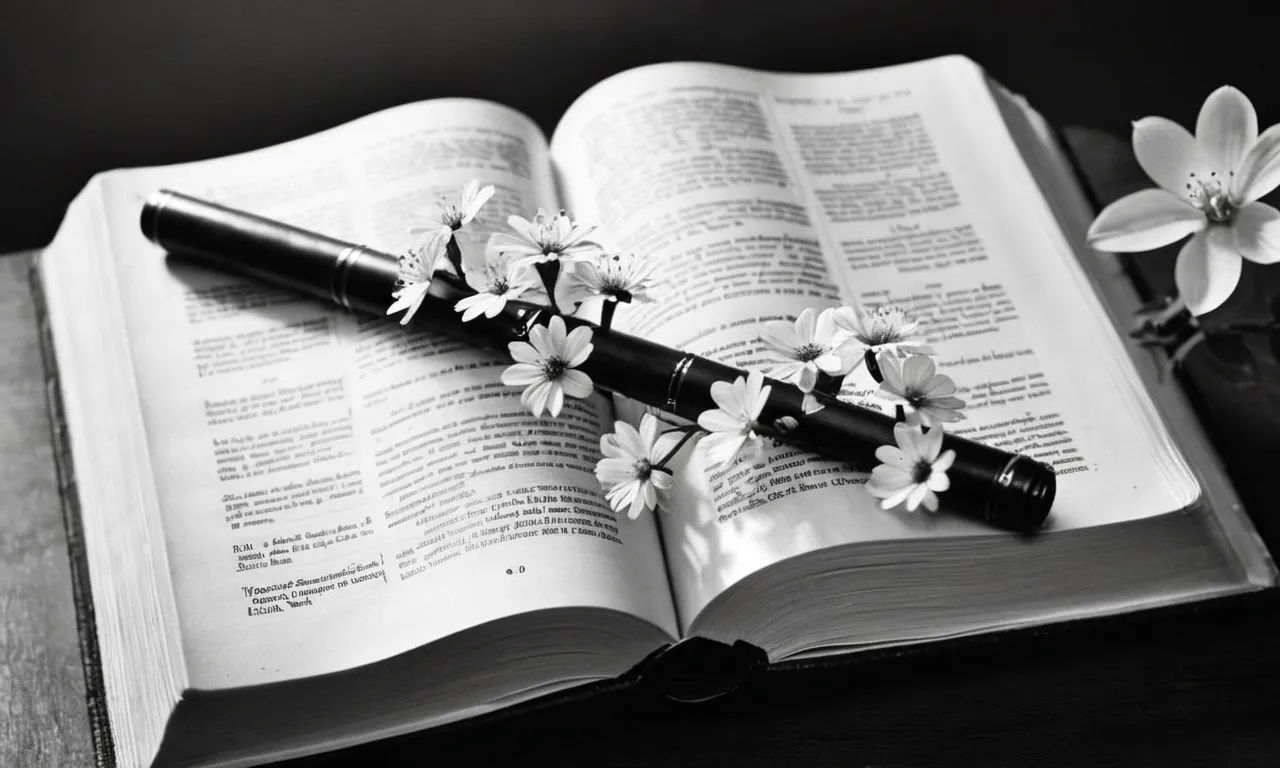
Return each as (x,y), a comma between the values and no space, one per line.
(611,277)
(1209,188)
(810,346)
(916,384)
(453,216)
(882,329)
(413,281)
(495,281)
(733,425)
(546,238)
(913,471)
(545,366)
(628,472)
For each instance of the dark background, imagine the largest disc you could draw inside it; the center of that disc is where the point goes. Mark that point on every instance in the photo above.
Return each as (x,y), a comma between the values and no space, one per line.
(89,87)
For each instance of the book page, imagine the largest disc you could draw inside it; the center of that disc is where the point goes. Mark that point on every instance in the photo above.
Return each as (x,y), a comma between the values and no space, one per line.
(764,194)
(335,490)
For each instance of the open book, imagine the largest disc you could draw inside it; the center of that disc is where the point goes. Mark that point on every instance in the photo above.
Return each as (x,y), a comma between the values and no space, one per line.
(307,529)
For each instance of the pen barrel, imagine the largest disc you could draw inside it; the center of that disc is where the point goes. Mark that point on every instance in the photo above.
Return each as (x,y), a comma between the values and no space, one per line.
(352,276)
(1007,490)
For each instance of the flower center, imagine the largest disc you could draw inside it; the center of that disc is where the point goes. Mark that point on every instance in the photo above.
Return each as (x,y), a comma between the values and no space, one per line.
(1211,198)
(643,468)
(810,352)
(553,368)
(451,216)
(498,286)
(878,334)
(915,398)
(921,472)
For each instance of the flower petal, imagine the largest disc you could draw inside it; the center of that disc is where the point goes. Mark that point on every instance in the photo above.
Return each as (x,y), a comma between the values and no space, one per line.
(721,447)
(577,384)
(523,352)
(893,456)
(808,378)
(555,399)
(717,420)
(897,497)
(1259,171)
(780,336)
(1208,269)
(917,495)
(1166,151)
(521,374)
(1256,228)
(578,346)
(938,481)
(1226,128)
(535,396)
(1144,220)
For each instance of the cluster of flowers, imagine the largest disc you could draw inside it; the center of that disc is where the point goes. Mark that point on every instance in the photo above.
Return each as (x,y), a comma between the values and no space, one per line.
(551,259)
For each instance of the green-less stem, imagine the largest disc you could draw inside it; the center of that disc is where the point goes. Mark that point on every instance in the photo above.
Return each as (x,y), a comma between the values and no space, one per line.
(662,463)
(549,271)
(453,252)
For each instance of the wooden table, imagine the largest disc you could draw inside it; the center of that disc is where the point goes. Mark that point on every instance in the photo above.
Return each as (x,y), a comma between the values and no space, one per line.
(1183,687)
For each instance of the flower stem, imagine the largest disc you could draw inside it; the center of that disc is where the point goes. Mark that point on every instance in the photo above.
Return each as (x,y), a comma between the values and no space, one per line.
(454,253)
(830,385)
(662,463)
(606,314)
(873,367)
(549,271)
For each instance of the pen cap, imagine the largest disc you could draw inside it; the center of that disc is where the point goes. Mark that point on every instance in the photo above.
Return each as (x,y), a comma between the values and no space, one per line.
(329,269)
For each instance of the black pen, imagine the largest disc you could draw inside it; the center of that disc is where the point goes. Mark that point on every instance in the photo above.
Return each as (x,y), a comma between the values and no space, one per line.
(1007,490)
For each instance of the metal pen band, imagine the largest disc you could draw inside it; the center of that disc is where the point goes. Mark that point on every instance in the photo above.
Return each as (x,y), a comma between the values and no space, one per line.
(677,380)
(341,271)
(1003,481)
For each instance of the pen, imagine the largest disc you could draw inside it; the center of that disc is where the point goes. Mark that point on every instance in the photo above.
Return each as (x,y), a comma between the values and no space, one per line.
(1007,490)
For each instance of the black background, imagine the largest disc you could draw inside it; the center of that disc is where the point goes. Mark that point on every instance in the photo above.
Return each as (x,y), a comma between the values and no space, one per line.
(87,87)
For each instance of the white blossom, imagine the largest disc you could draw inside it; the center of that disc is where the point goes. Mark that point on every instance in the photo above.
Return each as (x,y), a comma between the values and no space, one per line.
(912,471)
(1209,185)
(916,384)
(733,425)
(811,345)
(547,238)
(885,328)
(451,217)
(546,366)
(628,473)
(495,281)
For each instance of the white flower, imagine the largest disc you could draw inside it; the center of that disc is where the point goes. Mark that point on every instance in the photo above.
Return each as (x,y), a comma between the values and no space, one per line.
(618,277)
(1209,188)
(627,471)
(881,329)
(733,424)
(916,384)
(546,238)
(811,346)
(545,366)
(452,217)
(912,470)
(495,281)
(414,280)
